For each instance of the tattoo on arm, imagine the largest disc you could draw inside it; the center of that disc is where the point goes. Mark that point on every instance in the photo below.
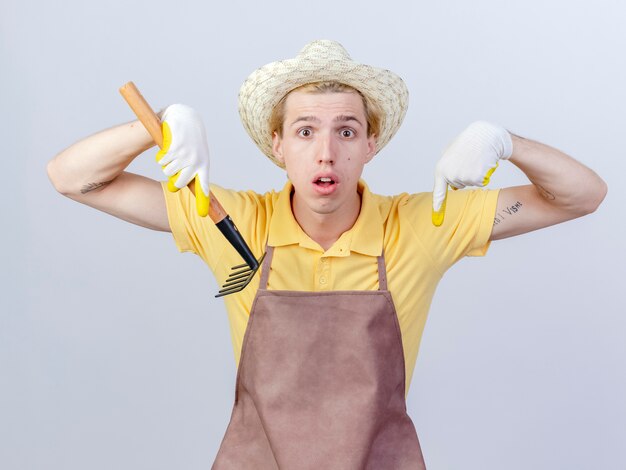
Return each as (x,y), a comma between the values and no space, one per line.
(93,186)
(507,212)
(545,193)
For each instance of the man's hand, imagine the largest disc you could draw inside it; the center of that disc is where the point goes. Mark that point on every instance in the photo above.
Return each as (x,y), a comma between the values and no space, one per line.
(469,160)
(185,153)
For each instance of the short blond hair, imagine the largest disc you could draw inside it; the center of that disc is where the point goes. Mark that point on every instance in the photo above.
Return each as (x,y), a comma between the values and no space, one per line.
(372,111)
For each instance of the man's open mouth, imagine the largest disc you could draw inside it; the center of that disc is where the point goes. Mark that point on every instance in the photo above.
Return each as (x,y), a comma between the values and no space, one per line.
(324,181)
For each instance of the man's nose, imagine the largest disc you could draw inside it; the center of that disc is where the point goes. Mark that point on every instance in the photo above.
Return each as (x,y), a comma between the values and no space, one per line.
(327,150)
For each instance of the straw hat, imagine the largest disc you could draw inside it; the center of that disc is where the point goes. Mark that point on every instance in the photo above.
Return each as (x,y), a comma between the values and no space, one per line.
(319,61)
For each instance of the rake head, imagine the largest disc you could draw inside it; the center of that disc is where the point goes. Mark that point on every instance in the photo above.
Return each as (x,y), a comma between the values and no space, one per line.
(240,277)
(242,274)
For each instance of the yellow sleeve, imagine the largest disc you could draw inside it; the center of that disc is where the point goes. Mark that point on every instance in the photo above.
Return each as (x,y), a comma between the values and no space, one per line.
(199,235)
(466,228)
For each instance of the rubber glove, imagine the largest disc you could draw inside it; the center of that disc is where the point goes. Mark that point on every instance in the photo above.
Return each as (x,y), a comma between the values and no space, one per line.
(469,160)
(185,153)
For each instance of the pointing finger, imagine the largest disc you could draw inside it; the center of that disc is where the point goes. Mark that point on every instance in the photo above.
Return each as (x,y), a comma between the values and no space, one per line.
(440,195)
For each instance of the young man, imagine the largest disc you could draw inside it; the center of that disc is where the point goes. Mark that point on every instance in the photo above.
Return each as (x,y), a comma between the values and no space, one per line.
(326,337)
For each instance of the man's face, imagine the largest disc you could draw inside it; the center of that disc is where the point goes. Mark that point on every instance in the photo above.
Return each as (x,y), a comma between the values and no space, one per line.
(324,147)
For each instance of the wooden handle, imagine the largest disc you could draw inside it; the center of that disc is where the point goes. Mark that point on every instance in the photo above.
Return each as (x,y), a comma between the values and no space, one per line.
(143,111)
(152,123)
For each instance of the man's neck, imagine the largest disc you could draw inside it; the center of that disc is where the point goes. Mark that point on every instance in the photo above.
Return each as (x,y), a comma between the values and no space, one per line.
(325,229)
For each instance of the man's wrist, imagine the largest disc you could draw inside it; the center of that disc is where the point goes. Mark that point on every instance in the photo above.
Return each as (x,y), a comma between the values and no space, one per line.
(518,145)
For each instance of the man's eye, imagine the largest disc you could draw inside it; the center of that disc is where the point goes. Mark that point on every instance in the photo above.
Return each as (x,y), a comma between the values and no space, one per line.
(304,132)
(347,133)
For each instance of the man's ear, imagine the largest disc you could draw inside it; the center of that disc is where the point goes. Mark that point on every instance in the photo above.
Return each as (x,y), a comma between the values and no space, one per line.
(277,147)
(371,147)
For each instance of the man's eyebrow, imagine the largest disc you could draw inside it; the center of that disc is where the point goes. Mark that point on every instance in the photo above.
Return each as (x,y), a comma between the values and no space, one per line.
(340,118)
(346,118)
(306,119)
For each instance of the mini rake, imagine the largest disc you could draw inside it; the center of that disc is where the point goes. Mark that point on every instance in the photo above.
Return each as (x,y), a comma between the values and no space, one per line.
(240,275)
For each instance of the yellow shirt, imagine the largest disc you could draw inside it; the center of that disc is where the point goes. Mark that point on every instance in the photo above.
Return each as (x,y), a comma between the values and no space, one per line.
(416,252)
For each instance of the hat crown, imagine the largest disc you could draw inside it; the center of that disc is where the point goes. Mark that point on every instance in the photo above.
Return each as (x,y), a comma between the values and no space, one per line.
(324,48)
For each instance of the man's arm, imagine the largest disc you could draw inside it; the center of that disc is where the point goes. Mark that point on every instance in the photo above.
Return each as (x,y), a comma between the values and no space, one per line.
(562,189)
(91,171)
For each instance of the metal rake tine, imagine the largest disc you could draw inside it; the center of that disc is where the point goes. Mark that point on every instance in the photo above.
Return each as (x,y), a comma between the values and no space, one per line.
(239,266)
(238,280)
(233,278)
(240,272)
(231,288)
(224,292)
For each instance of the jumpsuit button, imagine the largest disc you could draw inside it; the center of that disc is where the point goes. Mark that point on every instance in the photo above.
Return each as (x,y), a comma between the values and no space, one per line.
(322,280)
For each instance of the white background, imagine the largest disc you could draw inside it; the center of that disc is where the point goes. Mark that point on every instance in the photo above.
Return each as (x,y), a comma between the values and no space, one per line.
(113,352)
